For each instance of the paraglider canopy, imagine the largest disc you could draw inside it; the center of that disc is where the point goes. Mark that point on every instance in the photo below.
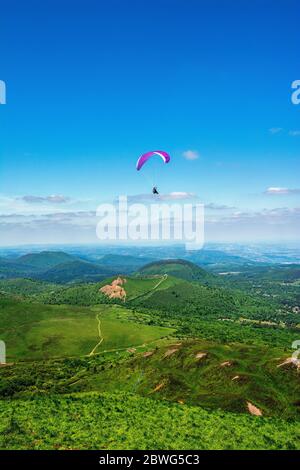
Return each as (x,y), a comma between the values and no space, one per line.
(146,156)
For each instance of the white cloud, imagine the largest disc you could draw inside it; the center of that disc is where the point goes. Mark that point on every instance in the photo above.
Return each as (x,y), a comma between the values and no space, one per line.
(80,226)
(278,130)
(60,227)
(280,191)
(294,133)
(177,195)
(191,154)
(275,130)
(54,198)
(218,207)
(280,215)
(29,204)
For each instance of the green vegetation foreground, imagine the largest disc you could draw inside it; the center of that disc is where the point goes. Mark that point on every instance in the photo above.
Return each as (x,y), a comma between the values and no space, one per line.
(125,421)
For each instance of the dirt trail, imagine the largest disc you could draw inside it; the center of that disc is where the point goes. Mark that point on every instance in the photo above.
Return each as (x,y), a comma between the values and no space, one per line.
(163,278)
(125,348)
(100,336)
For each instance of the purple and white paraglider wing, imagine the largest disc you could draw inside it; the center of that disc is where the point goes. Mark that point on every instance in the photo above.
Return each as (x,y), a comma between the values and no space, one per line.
(146,156)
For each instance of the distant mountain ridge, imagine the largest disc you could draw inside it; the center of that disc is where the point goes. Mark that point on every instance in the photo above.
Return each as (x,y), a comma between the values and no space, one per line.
(54,266)
(45,259)
(217,259)
(76,271)
(58,266)
(125,263)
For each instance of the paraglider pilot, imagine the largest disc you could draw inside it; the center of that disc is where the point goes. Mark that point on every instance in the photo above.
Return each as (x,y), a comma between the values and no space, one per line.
(154,190)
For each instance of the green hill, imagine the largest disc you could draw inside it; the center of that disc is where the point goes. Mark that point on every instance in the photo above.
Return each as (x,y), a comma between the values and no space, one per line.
(55,266)
(207,374)
(193,308)
(136,287)
(173,296)
(76,271)
(176,295)
(89,293)
(26,287)
(124,264)
(45,259)
(10,269)
(178,268)
(32,264)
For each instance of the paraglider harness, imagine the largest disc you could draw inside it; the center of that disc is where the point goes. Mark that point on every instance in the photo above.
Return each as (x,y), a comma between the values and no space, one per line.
(154,190)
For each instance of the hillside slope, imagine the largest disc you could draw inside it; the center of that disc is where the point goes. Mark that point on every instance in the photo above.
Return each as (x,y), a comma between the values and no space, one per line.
(11,269)
(177,268)
(32,264)
(207,374)
(75,271)
(150,362)
(127,421)
(26,287)
(45,259)
(184,297)
(124,264)
(90,293)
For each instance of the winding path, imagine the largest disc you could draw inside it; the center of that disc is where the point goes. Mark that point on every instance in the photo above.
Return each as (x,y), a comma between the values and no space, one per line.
(92,353)
(163,278)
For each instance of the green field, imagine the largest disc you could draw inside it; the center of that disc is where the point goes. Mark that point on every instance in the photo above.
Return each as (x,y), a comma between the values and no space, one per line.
(33,331)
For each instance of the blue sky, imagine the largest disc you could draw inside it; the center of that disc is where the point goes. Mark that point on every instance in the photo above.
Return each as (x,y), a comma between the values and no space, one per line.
(91,85)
